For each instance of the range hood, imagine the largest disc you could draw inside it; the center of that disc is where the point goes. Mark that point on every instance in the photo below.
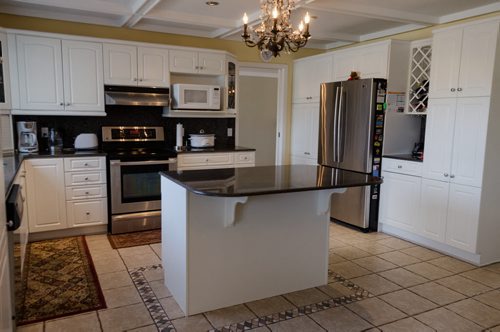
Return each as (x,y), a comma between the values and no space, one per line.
(136,96)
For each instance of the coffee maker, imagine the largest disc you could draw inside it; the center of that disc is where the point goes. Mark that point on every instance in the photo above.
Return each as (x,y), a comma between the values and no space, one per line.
(26,136)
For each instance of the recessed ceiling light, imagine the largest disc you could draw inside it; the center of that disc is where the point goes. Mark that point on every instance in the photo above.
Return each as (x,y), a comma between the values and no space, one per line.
(212,3)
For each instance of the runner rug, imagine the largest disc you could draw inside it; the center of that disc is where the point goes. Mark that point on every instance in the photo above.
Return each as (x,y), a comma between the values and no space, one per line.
(134,239)
(59,279)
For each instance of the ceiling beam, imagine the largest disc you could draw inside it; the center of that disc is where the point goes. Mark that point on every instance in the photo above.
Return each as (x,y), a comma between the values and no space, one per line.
(88,5)
(191,19)
(141,8)
(374,12)
(392,31)
(491,8)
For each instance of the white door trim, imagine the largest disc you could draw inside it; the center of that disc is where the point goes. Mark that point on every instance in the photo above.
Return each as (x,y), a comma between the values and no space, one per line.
(281,73)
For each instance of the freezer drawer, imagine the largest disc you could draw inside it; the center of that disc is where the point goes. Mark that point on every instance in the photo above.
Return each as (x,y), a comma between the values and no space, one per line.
(352,207)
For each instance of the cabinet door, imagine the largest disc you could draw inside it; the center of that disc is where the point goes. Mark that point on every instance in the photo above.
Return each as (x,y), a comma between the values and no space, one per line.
(463,217)
(4,74)
(343,64)
(299,160)
(445,63)
(83,76)
(153,67)
(120,64)
(87,212)
(469,143)
(373,61)
(433,209)
(46,211)
(183,61)
(477,60)
(6,133)
(40,73)
(439,139)
(308,74)
(211,63)
(305,130)
(399,201)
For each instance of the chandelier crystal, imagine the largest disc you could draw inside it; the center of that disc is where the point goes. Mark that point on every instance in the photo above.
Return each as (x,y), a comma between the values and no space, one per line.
(275,33)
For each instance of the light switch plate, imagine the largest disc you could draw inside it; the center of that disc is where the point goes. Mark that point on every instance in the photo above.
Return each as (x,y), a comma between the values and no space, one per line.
(45,132)
(229,132)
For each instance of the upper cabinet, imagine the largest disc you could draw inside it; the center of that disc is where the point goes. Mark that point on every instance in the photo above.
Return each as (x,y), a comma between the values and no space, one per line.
(308,74)
(368,61)
(419,77)
(60,76)
(462,61)
(193,62)
(4,75)
(131,65)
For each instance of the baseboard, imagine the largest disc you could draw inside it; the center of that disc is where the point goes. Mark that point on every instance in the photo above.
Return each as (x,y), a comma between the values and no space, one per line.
(90,230)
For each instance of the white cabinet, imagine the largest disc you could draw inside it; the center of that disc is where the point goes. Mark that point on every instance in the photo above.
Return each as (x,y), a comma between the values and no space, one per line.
(463,60)
(455,140)
(82,76)
(131,65)
(399,201)
(433,209)
(369,61)
(60,76)
(45,194)
(192,161)
(305,122)
(308,74)
(6,133)
(86,193)
(4,74)
(192,62)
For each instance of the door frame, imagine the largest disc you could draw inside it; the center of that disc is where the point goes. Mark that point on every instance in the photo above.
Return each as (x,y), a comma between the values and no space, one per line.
(280,72)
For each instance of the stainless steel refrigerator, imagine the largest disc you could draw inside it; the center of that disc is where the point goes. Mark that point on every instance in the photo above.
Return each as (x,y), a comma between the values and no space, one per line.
(351,128)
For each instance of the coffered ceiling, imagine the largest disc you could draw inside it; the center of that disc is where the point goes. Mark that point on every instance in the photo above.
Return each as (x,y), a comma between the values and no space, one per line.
(335,22)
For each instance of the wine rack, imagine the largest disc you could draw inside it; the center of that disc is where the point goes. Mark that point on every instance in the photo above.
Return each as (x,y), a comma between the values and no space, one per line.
(419,77)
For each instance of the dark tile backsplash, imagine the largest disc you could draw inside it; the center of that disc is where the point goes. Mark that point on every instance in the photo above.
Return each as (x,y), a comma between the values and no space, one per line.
(71,126)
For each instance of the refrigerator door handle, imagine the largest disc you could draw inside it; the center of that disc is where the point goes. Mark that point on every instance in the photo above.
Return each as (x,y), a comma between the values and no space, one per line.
(335,125)
(340,134)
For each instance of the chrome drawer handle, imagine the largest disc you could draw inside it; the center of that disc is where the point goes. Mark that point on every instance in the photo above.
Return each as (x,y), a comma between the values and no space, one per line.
(399,166)
(452,176)
(445,175)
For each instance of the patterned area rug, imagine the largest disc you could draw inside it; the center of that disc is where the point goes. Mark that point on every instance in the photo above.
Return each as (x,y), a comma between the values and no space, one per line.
(59,280)
(134,239)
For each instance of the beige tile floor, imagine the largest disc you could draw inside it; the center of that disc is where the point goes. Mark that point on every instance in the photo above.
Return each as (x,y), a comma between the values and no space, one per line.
(411,289)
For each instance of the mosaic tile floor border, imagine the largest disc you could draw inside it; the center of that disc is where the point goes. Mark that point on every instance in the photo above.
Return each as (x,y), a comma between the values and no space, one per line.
(163,322)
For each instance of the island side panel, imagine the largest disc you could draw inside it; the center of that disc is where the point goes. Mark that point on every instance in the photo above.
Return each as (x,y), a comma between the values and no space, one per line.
(278,244)
(174,206)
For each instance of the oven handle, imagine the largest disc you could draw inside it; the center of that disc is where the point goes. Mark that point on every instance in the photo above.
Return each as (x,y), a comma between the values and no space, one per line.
(146,162)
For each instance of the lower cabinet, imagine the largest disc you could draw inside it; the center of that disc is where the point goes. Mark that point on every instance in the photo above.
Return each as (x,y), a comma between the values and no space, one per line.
(46,198)
(447,213)
(304,132)
(193,161)
(399,201)
(61,195)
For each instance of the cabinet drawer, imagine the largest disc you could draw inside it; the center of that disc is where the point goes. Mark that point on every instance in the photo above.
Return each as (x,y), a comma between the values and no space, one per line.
(205,159)
(85,192)
(87,212)
(244,158)
(81,178)
(220,159)
(402,166)
(82,164)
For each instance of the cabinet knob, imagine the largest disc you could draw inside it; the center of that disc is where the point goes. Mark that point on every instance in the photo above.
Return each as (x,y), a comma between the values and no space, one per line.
(61,104)
(135,79)
(86,164)
(86,193)
(87,213)
(445,175)
(459,89)
(140,79)
(86,179)
(206,160)
(399,166)
(452,89)
(67,104)
(307,153)
(197,67)
(452,176)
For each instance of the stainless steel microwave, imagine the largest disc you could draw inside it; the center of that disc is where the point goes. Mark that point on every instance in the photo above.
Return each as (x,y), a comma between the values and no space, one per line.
(196,97)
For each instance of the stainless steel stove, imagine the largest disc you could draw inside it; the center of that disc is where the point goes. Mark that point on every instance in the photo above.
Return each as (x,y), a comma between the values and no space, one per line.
(136,156)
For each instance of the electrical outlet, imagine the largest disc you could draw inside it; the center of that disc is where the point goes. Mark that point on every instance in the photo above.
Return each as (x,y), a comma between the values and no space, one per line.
(229,132)
(45,132)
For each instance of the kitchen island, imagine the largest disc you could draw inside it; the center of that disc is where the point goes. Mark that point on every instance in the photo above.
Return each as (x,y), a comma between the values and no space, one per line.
(231,236)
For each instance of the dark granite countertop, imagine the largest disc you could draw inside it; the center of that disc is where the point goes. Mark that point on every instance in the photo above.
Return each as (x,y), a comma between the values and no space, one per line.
(12,162)
(216,149)
(264,180)
(408,157)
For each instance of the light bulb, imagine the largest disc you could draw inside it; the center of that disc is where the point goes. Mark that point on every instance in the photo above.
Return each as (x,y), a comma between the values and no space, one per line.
(275,12)
(301,26)
(307,18)
(245,18)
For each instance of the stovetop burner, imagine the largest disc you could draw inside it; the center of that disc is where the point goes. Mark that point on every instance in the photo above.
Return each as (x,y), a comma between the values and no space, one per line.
(141,153)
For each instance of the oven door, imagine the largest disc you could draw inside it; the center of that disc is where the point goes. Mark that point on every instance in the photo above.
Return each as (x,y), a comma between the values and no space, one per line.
(136,185)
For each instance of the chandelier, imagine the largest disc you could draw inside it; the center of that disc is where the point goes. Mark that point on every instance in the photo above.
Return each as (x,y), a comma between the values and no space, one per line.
(275,33)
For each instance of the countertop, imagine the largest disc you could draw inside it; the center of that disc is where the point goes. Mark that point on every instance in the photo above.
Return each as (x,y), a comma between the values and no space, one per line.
(408,157)
(12,162)
(216,149)
(264,180)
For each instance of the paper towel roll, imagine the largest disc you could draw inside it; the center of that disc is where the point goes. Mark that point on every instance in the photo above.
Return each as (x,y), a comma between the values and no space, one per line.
(179,134)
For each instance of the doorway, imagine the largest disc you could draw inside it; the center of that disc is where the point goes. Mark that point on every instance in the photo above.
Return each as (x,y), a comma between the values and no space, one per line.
(262,111)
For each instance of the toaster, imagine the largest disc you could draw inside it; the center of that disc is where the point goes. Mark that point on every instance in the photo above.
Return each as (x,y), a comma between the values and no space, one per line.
(86,142)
